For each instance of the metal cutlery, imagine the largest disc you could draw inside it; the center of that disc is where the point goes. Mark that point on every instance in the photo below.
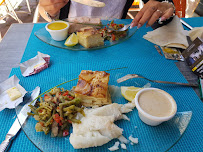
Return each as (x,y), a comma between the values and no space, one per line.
(130,76)
(125,27)
(186,24)
(22,116)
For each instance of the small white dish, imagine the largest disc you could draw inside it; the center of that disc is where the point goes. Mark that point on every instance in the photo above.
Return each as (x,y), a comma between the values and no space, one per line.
(58,34)
(157,96)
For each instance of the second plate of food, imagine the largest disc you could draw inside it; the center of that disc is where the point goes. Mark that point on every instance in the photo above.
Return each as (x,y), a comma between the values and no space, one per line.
(110,37)
(140,137)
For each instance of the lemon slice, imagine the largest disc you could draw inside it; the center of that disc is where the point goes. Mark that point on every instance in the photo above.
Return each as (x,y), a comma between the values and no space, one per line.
(129,92)
(72,40)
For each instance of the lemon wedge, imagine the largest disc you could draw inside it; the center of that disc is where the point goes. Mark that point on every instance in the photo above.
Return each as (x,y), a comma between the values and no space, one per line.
(72,40)
(129,92)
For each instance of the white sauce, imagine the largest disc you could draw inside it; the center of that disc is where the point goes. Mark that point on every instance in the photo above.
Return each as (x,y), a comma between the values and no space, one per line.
(155,103)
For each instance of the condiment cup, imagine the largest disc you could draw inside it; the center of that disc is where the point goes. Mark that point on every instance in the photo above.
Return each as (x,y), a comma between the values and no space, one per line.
(150,119)
(58,35)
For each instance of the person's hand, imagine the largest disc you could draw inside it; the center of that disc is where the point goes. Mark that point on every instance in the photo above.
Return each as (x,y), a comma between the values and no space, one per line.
(52,6)
(151,12)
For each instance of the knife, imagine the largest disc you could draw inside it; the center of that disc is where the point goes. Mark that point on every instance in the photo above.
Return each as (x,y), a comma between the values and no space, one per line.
(186,24)
(21,117)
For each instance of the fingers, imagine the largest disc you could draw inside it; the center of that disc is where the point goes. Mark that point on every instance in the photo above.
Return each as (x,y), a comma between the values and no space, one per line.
(147,15)
(151,12)
(144,14)
(136,19)
(167,14)
(154,17)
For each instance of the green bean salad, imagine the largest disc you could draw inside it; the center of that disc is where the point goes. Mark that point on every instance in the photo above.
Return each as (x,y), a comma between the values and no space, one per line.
(56,111)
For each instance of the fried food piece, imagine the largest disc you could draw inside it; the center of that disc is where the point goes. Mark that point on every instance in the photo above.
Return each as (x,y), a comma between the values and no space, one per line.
(92,88)
(89,37)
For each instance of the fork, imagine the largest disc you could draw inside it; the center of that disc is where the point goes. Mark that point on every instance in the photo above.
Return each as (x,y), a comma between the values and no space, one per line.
(130,76)
(125,27)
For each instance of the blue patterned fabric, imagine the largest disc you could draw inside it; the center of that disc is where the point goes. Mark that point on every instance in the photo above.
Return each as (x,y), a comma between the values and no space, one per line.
(137,54)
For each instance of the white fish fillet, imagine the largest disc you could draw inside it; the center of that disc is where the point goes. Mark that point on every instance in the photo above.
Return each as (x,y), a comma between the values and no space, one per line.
(108,110)
(97,127)
(89,139)
(114,147)
(127,107)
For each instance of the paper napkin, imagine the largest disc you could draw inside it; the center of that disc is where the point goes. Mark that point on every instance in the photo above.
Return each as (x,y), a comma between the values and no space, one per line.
(196,32)
(5,101)
(35,65)
(170,35)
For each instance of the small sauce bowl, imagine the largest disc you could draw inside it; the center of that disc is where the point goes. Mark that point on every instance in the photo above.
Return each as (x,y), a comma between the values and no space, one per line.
(155,106)
(58,30)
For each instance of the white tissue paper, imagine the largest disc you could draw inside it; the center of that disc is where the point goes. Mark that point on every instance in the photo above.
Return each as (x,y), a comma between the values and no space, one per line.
(196,32)
(170,35)
(5,101)
(35,65)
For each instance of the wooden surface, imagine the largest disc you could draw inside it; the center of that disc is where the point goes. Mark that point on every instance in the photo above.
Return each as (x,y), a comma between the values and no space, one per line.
(14,43)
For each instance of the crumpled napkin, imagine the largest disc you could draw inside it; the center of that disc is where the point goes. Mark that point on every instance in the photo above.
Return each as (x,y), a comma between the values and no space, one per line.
(196,32)
(35,65)
(5,101)
(170,35)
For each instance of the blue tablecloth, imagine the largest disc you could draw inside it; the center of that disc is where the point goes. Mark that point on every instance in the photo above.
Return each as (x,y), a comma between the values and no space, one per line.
(137,54)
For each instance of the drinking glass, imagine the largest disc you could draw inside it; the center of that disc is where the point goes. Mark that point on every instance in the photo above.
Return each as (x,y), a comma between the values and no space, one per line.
(190,7)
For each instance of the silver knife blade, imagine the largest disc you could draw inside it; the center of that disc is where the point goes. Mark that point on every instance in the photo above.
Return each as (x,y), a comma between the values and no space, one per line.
(186,24)
(21,118)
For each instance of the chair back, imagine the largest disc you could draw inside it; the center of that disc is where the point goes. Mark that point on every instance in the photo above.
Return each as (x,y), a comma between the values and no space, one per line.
(180,6)
(1,2)
(36,15)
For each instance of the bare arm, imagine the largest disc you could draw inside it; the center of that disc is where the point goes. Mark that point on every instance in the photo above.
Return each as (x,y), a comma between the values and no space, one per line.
(52,7)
